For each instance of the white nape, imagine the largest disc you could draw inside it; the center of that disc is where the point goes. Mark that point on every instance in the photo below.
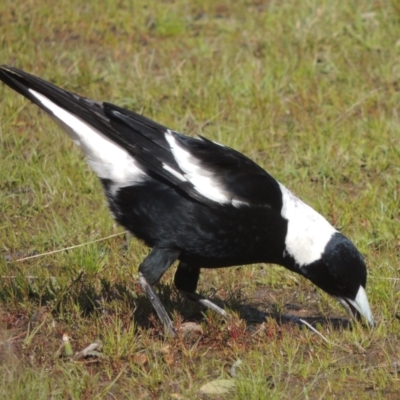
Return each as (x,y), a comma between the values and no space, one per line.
(308,231)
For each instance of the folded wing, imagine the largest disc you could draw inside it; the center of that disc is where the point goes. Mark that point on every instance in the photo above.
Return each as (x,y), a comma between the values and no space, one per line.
(128,148)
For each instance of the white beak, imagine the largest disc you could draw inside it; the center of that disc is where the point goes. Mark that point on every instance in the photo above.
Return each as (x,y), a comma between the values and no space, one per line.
(358,307)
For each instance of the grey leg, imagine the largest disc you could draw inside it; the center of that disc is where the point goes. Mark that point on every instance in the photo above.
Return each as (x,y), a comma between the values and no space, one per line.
(150,272)
(158,306)
(186,278)
(205,302)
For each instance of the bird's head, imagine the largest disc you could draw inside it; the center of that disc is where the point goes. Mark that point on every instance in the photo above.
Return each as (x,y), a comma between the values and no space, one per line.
(342,273)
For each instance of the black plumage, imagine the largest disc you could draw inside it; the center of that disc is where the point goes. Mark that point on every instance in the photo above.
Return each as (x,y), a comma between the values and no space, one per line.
(197,201)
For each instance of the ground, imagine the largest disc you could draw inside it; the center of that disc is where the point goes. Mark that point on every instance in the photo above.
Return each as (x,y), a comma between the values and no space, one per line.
(309,90)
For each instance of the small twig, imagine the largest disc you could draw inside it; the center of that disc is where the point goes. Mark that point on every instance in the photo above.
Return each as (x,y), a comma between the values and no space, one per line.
(360,347)
(328,341)
(394,365)
(383,277)
(349,111)
(69,248)
(315,331)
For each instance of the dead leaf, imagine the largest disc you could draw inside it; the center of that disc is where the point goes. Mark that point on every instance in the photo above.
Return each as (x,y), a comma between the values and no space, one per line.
(190,327)
(140,359)
(219,386)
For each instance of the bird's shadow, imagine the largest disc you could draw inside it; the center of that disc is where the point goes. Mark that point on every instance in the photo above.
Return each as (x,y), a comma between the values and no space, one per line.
(130,298)
(252,315)
(247,309)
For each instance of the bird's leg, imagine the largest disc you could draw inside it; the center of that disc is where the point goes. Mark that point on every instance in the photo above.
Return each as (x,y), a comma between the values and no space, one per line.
(186,278)
(205,302)
(158,306)
(150,271)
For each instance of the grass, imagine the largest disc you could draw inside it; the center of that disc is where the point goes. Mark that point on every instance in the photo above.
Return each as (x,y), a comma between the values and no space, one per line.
(310,90)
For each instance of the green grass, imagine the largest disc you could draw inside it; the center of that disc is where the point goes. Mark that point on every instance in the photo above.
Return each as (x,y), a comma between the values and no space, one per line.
(310,90)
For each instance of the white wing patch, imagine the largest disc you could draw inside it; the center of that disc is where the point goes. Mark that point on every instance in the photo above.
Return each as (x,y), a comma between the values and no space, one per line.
(204,181)
(308,231)
(107,159)
(174,172)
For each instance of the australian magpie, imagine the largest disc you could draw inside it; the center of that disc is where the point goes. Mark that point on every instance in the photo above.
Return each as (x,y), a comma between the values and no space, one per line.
(198,202)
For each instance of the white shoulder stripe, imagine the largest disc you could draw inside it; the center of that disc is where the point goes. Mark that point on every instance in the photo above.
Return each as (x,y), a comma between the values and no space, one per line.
(308,231)
(204,181)
(107,159)
(174,172)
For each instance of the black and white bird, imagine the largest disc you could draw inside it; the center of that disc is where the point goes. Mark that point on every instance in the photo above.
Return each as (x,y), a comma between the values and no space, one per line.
(197,201)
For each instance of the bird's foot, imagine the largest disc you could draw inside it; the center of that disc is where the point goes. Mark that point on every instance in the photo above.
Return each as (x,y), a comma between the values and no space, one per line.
(204,301)
(156,302)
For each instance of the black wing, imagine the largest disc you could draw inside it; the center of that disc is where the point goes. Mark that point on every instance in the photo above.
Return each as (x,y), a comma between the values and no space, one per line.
(237,178)
(144,143)
(208,172)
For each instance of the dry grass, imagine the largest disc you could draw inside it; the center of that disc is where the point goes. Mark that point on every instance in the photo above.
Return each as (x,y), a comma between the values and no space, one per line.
(310,90)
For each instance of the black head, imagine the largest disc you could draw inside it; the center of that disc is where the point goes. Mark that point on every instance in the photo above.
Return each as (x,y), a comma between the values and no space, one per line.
(341,272)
